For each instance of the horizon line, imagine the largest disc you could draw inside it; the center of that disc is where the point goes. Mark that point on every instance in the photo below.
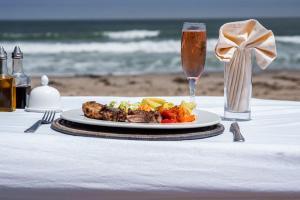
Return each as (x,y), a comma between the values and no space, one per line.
(145,19)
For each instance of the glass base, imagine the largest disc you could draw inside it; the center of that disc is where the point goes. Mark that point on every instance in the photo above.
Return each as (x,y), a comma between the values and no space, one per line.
(237,116)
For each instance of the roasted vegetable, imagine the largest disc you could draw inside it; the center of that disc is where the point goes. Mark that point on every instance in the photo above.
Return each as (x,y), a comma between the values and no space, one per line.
(164,121)
(188,106)
(168,111)
(181,113)
(154,103)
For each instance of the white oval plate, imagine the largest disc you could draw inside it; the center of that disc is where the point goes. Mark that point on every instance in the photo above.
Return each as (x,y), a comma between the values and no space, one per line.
(204,118)
(42,110)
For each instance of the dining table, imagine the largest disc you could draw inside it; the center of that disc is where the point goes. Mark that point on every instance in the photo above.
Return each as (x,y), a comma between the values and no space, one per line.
(48,164)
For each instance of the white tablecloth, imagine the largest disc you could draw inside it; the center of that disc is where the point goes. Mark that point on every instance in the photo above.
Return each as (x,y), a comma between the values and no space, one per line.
(51,165)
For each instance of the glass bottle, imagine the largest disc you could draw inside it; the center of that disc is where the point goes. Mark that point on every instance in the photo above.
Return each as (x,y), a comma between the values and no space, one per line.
(7,85)
(23,84)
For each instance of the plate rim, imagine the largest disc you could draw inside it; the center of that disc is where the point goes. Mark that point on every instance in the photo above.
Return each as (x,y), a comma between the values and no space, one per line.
(96,122)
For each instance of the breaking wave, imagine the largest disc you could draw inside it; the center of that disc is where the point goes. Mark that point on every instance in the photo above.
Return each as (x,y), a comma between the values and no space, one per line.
(132,34)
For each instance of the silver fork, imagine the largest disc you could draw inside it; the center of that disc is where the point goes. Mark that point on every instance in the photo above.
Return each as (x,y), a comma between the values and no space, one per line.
(47,119)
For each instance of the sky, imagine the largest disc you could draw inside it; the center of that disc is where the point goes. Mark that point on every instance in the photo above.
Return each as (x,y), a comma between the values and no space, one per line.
(146,9)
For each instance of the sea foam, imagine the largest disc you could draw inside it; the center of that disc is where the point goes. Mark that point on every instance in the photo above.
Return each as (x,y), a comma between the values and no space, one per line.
(289,39)
(145,46)
(132,34)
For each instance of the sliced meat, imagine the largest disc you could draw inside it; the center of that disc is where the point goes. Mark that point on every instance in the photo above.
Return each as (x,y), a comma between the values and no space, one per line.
(139,116)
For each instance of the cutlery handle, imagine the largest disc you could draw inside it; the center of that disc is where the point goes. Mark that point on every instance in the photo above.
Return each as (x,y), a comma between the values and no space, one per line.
(237,135)
(33,127)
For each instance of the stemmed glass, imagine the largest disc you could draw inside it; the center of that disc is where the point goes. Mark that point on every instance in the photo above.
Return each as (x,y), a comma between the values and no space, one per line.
(193,53)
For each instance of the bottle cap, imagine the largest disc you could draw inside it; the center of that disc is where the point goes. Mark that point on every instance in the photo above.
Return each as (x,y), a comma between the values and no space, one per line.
(17,53)
(3,54)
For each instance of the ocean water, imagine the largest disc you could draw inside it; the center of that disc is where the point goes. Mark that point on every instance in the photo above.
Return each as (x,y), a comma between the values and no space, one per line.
(126,47)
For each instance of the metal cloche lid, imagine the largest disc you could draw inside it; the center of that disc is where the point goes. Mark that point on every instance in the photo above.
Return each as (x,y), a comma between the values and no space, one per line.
(17,53)
(3,54)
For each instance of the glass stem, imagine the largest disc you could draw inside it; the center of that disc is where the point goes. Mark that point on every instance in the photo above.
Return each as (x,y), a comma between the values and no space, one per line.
(192,86)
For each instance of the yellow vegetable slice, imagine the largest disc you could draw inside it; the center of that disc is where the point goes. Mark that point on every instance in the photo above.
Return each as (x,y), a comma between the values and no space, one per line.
(188,106)
(157,100)
(150,102)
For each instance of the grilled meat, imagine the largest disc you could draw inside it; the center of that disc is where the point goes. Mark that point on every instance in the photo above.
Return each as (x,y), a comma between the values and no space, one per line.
(95,110)
(91,109)
(140,116)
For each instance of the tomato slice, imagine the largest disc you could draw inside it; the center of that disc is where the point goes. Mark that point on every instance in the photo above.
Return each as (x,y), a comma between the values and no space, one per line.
(168,121)
(169,114)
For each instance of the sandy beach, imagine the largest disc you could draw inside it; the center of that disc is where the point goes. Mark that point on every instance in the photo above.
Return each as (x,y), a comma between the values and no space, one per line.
(283,85)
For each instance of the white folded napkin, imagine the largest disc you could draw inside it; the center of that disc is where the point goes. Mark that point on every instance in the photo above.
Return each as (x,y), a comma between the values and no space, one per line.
(234,47)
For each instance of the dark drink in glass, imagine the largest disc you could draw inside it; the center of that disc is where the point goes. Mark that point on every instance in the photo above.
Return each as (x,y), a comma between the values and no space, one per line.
(22,94)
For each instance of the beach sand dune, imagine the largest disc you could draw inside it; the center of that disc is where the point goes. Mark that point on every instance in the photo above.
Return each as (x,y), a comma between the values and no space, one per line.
(282,85)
